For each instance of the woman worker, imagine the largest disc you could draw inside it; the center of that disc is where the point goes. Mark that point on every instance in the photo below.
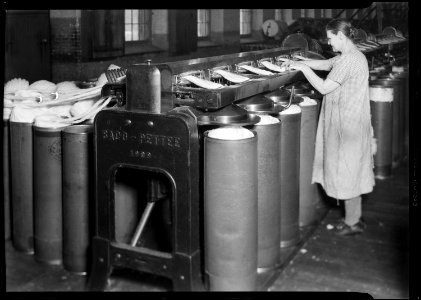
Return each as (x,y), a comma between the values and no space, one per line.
(343,162)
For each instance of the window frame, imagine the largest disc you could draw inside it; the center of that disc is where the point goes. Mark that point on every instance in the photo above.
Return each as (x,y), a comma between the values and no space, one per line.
(278,14)
(207,24)
(134,43)
(246,35)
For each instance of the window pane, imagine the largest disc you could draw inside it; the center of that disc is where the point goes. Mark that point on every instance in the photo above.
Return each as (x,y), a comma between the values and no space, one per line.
(127,16)
(135,16)
(128,32)
(135,31)
(203,22)
(278,15)
(138,29)
(245,21)
(143,33)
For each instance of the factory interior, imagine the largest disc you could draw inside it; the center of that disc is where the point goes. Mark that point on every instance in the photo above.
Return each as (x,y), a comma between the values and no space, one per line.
(172,150)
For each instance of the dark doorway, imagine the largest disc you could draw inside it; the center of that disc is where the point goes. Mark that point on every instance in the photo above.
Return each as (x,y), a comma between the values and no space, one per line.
(27,45)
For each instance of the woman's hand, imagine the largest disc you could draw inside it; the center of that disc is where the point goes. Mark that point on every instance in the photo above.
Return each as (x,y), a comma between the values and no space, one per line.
(294,65)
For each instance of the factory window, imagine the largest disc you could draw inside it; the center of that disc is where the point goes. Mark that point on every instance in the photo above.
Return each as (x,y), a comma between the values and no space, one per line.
(245,22)
(203,23)
(278,14)
(303,12)
(137,25)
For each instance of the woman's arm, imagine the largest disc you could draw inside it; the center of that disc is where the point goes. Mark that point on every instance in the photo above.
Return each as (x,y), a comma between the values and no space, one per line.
(323,86)
(322,64)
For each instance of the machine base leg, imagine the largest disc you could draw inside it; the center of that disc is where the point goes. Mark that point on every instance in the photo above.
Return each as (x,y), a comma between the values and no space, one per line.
(101,267)
(188,275)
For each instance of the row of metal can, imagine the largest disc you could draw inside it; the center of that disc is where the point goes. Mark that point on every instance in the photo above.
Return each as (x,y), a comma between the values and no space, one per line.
(52,188)
(48,181)
(259,205)
(389,102)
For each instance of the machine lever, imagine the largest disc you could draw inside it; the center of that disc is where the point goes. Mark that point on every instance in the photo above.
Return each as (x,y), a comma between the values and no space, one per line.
(155,193)
(142,223)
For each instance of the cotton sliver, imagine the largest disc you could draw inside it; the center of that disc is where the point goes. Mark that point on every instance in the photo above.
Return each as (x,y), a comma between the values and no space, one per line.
(381,94)
(273,67)
(293,109)
(398,69)
(66,86)
(256,70)
(230,133)
(49,121)
(43,86)
(102,79)
(308,101)
(61,110)
(23,114)
(203,83)
(80,107)
(266,120)
(113,67)
(231,76)
(15,84)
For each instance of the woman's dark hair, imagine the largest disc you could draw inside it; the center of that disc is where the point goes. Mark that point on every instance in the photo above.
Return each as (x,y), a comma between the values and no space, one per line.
(342,25)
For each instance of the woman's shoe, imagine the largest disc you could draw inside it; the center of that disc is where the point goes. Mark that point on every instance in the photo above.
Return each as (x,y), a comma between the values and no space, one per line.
(345,229)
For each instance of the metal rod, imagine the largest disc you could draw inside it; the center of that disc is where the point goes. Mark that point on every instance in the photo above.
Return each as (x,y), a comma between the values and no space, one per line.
(142,223)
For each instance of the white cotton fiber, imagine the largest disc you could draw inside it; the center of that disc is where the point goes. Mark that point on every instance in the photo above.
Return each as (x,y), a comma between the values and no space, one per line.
(230,133)
(25,114)
(80,107)
(266,120)
(102,79)
(43,86)
(113,67)
(61,110)
(66,86)
(308,102)
(293,109)
(397,69)
(49,121)
(15,84)
(381,94)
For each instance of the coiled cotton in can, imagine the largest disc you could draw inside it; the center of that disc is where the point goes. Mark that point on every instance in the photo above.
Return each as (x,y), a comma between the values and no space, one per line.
(230,133)
(23,114)
(308,101)
(266,120)
(293,109)
(49,121)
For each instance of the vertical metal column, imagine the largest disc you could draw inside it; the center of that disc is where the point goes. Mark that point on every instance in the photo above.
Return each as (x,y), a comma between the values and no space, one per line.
(21,151)
(230,213)
(268,252)
(397,137)
(48,218)
(77,153)
(381,104)
(308,192)
(289,175)
(6,180)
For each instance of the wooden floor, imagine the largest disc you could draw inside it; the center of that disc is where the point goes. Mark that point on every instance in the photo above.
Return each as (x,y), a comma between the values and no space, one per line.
(376,262)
